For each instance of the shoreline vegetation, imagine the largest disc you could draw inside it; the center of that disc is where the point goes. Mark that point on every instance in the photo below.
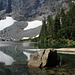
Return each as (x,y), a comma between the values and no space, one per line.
(58,32)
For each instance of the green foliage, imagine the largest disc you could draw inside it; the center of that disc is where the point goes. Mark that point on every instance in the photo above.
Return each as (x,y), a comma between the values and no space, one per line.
(63,18)
(67,33)
(60,30)
(56,26)
(71,4)
(71,15)
(44,29)
(50,26)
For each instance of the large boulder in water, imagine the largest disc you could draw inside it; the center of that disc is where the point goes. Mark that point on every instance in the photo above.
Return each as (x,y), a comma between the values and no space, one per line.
(43,58)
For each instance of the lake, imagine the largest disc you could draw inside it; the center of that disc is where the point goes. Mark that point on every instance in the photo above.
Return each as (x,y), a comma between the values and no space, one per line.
(15,55)
(13,51)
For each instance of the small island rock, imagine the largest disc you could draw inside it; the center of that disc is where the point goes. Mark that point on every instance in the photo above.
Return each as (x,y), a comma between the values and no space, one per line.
(43,58)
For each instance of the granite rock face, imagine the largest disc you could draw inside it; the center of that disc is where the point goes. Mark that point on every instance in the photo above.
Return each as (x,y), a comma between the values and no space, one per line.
(16,32)
(27,10)
(43,58)
(30,9)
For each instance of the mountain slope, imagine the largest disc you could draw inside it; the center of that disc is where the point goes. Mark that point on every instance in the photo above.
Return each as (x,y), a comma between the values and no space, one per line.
(29,9)
(16,30)
(26,10)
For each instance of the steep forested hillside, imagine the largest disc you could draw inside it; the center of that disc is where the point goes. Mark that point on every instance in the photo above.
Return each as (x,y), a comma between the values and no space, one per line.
(59,30)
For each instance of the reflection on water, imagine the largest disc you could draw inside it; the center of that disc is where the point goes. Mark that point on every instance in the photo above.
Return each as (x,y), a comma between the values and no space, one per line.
(3,44)
(18,51)
(6,58)
(28,55)
(15,50)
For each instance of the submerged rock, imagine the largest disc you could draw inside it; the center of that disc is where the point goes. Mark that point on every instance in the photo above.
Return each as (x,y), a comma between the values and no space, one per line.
(43,58)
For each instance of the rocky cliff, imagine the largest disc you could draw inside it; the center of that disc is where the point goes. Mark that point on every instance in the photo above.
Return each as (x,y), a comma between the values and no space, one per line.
(29,9)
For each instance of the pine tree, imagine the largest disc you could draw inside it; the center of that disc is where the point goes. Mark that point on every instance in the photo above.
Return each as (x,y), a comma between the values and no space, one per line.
(63,18)
(57,26)
(50,26)
(43,32)
(71,14)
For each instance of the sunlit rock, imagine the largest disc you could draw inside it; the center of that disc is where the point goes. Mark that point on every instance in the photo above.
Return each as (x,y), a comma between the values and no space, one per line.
(43,58)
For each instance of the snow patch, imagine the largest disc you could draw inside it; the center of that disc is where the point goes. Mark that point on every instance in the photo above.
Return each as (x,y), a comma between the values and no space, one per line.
(73,1)
(6,22)
(33,24)
(29,37)
(37,35)
(25,38)
(33,37)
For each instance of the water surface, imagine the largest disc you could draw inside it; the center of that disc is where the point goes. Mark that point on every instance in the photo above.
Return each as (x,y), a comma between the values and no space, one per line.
(15,50)
(16,53)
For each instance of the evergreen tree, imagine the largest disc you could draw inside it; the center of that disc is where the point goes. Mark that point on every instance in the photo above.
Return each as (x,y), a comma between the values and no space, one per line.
(63,19)
(50,26)
(71,14)
(43,32)
(57,26)
(62,27)
(67,21)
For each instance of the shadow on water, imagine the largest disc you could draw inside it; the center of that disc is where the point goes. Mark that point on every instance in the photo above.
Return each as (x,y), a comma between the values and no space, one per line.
(23,69)
(67,67)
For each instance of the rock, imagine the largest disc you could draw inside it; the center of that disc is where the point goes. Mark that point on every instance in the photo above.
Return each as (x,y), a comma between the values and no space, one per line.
(16,32)
(43,58)
(30,9)
(27,10)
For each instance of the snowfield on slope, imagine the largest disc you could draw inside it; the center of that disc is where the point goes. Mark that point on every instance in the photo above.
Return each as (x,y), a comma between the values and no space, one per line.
(25,38)
(6,22)
(33,24)
(29,37)
(9,21)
